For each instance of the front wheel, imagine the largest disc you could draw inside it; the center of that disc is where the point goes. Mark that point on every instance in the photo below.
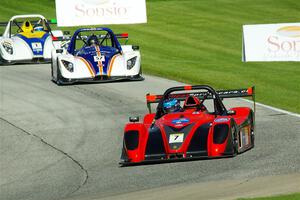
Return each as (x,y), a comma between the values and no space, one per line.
(141,71)
(52,71)
(58,79)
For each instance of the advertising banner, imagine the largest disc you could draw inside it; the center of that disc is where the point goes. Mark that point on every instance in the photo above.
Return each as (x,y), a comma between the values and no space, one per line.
(271,42)
(98,12)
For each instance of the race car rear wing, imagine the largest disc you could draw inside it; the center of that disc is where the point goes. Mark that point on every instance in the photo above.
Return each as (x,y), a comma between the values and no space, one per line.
(236,93)
(67,36)
(3,23)
(122,35)
(50,21)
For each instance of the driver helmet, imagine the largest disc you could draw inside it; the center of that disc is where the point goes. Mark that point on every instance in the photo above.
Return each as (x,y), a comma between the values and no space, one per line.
(39,28)
(93,40)
(171,105)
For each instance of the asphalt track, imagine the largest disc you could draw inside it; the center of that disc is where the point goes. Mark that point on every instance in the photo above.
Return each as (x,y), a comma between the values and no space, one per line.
(65,143)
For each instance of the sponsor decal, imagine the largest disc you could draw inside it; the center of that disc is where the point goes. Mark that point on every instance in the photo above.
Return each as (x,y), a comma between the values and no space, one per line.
(286,41)
(176,138)
(222,119)
(289,31)
(272,42)
(94,12)
(100,9)
(180,121)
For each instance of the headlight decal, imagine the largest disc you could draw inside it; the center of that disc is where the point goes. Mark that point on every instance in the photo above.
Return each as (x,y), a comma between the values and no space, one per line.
(131,62)
(68,65)
(8,47)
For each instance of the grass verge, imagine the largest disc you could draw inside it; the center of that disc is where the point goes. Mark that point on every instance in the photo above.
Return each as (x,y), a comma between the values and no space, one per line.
(281,197)
(200,42)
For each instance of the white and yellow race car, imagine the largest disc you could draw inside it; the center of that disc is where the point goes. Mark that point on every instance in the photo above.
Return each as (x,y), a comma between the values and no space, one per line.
(28,38)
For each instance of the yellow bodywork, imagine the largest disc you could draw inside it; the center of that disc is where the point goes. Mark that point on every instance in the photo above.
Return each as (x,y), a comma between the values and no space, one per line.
(28,31)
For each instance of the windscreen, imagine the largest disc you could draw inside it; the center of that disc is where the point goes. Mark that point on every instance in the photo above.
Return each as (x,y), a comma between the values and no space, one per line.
(202,97)
(103,38)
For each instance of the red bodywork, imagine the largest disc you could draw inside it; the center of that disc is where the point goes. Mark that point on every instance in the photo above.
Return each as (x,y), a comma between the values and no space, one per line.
(189,134)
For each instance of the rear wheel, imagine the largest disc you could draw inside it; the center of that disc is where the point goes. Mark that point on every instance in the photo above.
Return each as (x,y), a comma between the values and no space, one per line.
(252,136)
(235,143)
(235,146)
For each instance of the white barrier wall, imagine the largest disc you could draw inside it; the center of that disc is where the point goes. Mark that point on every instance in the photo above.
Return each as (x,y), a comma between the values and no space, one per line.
(271,42)
(95,12)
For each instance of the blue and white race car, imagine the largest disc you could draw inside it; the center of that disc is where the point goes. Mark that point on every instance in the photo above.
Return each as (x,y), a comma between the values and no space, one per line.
(28,38)
(95,55)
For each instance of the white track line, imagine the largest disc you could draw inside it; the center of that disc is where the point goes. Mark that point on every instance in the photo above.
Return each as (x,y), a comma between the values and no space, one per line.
(273,108)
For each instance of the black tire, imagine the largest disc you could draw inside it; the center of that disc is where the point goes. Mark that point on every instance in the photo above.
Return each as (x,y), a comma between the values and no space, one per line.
(52,78)
(252,139)
(252,135)
(141,71)
(236,146)
(58,80)
(234,135)
(123,154)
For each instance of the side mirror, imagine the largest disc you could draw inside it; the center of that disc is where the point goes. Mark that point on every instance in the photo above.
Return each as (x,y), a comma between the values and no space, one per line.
(59,50)
(135,48)
(134,119)
(66,32)
(231,112)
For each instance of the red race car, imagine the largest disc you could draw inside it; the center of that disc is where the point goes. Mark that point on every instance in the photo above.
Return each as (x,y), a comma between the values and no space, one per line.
(190,122)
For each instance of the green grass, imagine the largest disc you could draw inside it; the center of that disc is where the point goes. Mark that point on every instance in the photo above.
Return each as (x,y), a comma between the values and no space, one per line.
(282,197)
(200,42)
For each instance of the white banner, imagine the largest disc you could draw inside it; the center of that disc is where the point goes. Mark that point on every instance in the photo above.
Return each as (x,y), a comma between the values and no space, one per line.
(271,42)
(97,12)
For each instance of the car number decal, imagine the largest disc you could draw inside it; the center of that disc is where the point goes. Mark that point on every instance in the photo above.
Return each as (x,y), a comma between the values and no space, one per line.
(176,138)
(37,46)
(99,58)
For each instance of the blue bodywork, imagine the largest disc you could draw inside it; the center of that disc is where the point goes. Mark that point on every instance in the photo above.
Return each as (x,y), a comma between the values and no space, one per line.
(89,52)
